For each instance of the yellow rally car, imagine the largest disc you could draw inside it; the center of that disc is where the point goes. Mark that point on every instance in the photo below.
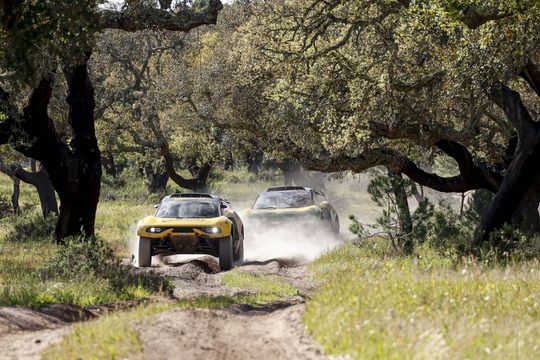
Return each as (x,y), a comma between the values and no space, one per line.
(191,224)
(295,205)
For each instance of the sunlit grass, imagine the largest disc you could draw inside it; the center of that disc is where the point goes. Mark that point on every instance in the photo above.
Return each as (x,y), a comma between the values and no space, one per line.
(374,305)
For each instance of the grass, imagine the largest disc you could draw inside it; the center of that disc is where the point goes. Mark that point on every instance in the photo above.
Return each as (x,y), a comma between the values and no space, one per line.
(262,284)
(266,290)
(375,305)
(109,337)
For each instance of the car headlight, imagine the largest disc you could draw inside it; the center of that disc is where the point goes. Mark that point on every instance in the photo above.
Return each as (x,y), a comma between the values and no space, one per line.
(154,230)
(212,230)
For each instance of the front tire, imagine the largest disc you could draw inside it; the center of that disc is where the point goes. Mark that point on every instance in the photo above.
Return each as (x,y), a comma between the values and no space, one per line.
(226,253)
(144,252)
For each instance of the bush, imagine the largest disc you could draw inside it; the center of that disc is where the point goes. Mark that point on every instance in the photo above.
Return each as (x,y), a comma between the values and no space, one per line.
(31,226)
(93,257)
(6,207)
(438,226)
(510,244)
(81,255)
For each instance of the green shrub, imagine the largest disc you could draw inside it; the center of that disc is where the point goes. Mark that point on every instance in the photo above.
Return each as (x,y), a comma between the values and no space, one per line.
(81,255)
(6,207)
(93,257)
(30,226)
(510,245)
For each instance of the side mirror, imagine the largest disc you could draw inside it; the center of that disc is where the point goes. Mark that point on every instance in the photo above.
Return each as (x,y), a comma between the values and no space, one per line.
(224,206)
(156,206)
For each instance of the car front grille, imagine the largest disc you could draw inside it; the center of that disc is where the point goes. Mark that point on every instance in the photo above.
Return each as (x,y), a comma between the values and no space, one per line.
(183,230)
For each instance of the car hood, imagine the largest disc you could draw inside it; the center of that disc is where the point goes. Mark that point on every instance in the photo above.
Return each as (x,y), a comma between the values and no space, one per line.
(188,222)
(307,210)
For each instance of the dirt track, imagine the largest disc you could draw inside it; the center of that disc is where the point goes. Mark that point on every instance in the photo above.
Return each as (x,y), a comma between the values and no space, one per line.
(273,331)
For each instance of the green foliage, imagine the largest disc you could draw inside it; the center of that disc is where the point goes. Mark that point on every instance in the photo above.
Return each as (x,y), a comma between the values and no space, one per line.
(441,227)
(31,226)
(47,31)
(510,245)
(477,205)
(81,255)
(6,207)
(390,223)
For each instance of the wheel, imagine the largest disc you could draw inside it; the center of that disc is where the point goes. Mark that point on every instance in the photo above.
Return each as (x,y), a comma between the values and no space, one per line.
(226,253)
(327,220)
(238,256)
(335,227)
(144,252)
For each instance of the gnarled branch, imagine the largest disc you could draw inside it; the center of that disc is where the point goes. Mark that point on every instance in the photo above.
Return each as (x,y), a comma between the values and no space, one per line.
(142,17)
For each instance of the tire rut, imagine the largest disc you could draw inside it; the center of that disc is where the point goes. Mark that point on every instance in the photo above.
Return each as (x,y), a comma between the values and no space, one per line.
(270,331)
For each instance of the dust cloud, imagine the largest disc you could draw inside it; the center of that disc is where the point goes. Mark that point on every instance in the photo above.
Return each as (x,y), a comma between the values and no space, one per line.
(295,242)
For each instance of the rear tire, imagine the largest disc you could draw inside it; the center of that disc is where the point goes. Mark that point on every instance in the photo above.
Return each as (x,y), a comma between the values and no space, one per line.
(335,227)
(226,253)
(144,252)
(239,254)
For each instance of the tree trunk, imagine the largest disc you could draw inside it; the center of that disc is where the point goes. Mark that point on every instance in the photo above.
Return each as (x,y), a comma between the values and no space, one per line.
(74,170)
(290,169)
(15,194)
(528,217)
(80,182)
(109,165)
(41,181)
(200,174)
(254,161)
(404,213)
(518,193)
(156,180)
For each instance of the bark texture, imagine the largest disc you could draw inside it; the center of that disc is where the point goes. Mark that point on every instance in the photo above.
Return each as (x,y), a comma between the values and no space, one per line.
(145,17)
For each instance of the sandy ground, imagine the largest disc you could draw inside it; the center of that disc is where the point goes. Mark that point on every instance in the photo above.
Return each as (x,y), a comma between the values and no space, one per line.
(274,331)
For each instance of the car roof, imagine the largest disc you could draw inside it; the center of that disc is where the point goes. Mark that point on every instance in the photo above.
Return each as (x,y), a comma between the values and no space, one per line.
(288,188)
(191,196)
(293,188)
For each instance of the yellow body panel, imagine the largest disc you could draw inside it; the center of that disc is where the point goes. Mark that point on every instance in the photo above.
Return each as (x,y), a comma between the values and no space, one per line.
(283,211)
(220,222)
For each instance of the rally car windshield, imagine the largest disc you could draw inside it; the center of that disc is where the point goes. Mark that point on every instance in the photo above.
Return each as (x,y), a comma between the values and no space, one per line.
(188,209)
(283,199)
